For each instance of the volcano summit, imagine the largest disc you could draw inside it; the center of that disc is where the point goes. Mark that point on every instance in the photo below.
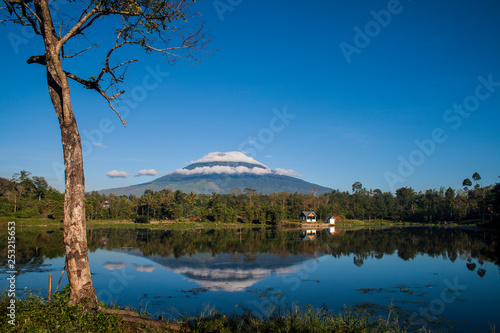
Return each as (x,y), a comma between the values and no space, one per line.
(222,172)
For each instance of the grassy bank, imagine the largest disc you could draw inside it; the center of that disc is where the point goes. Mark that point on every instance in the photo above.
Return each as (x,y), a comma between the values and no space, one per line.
(190,225)
(34,314)
(163,224)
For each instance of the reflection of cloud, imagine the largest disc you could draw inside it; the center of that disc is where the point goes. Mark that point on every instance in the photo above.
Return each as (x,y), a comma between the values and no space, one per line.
(114,265)
(117,174)
(228,279)
(144,268)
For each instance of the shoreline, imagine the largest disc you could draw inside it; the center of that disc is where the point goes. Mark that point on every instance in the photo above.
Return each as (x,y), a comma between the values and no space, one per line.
(190,225)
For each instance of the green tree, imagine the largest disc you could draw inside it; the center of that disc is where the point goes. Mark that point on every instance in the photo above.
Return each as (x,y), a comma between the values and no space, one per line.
(41,186)
(450,202)
(466,183)
(356,187)
(476,178)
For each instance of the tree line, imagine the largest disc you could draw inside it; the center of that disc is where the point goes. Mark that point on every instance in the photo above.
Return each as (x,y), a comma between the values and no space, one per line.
(31,197)
(27,196)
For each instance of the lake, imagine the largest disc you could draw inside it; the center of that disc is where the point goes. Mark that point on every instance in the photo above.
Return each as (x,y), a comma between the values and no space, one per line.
(444,278)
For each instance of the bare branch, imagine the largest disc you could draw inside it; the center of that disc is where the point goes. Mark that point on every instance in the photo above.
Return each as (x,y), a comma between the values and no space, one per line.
(25,6)
(94,86)
(77,26)
(75,54)
(37,60)
(26,16)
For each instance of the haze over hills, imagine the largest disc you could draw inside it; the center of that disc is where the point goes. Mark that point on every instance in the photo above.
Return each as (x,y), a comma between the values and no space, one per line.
(222,172)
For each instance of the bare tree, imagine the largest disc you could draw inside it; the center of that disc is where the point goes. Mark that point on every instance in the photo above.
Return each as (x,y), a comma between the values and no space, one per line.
(68,31)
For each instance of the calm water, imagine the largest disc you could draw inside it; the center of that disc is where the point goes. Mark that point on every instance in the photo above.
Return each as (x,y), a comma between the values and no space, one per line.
(443,278)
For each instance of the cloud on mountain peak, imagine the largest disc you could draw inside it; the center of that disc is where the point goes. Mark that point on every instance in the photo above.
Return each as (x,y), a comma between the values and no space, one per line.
(231,156)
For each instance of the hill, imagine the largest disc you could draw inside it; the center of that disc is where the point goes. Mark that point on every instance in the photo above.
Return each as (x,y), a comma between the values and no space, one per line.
(222,172)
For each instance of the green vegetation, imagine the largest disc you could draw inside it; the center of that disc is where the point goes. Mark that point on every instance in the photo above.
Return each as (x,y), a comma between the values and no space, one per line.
(34,314)
(31,198)
(298,320)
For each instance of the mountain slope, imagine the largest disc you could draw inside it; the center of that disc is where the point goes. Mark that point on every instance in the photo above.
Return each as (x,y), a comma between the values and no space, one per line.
(220,174)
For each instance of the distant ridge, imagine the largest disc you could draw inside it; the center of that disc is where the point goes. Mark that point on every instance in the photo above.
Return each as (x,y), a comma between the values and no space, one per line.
(222,172)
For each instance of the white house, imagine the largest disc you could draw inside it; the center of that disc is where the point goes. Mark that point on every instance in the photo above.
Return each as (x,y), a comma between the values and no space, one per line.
(307,216)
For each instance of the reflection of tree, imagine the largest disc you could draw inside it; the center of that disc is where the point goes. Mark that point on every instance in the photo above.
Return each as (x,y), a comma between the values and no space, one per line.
(471,266)
(358,261)
(408,242)
(481,272)
(33,247)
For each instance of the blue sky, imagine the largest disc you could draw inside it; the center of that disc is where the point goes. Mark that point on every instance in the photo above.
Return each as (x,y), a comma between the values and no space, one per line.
(370,92)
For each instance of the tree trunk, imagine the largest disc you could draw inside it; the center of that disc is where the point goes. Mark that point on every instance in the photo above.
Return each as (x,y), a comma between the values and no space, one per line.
(75,236)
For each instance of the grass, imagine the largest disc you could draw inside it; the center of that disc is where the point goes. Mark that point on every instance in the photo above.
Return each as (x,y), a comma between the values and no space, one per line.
(296,320)
(190,225)
(35,314)
(162,224)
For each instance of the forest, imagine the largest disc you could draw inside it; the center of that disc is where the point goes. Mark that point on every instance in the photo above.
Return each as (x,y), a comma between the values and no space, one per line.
(27,196)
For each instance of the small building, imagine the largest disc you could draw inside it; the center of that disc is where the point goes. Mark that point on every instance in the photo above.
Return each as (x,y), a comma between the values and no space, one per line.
(307,216)
(308,235)
(106,204)
(330,220)
(332,231)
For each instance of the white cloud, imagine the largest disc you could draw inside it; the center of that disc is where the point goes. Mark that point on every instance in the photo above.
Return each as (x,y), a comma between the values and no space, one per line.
(99,144)
(231,156)
(117,174)
(284,172)
(218,169)
(146,172)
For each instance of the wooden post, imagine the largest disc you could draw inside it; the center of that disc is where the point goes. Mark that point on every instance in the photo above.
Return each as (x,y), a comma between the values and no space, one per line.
(60,278)
(50,287)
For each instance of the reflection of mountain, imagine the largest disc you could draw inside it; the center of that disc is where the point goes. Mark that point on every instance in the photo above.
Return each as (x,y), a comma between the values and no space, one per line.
(229,272)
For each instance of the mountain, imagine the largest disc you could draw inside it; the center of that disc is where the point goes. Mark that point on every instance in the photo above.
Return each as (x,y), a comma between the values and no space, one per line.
(222,172)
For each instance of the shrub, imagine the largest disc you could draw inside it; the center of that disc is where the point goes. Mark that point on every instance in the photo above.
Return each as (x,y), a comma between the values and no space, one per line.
(141,219)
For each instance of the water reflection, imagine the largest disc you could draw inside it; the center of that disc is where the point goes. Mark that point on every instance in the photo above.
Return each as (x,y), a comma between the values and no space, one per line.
(231,253)
(407,267)
(228,272)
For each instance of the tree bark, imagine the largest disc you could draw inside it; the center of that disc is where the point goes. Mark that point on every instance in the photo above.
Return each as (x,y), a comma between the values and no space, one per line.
(75,236)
